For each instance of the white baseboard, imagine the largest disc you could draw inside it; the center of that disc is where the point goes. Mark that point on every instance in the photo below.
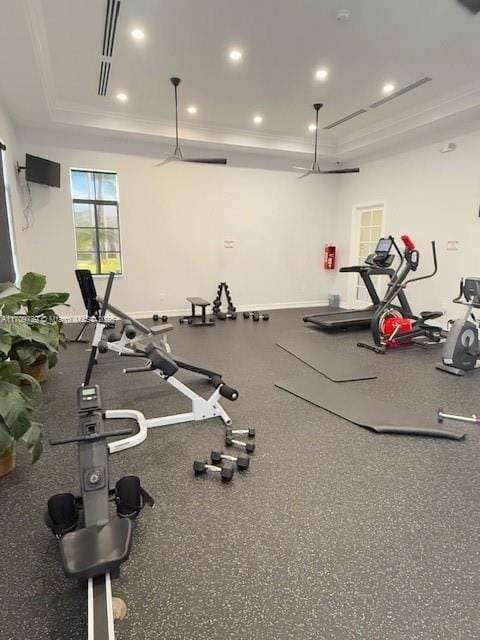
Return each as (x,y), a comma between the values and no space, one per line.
(269,306)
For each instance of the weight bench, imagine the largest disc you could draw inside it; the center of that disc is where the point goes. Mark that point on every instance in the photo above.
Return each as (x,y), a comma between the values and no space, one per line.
(97,308)
(166,366)
(198,320)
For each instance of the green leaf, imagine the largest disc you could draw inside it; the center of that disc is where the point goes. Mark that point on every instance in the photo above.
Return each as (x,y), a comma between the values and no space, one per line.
(20,426)
(33,440)
(6,439)
(5,343)
(52,360)
(33,283)
(27,355)
(8,370)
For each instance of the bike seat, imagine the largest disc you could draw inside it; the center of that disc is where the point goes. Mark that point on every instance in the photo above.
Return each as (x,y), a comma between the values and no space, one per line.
(431,315)
(93,551)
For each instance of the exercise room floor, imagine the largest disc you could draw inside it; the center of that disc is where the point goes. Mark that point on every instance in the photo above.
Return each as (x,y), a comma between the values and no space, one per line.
(335,533)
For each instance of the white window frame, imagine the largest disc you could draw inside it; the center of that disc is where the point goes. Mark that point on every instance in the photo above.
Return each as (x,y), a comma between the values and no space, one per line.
(100,276)
(357,211)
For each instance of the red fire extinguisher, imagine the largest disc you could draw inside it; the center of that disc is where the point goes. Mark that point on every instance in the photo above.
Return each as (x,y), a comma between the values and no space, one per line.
(329,257)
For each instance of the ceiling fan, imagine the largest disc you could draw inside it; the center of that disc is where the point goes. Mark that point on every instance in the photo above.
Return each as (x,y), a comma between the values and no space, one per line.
(471,5)
(315,168)
(177,155)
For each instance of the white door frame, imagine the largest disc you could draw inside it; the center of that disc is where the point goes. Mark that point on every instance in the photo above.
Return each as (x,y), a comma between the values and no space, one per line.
(357,209)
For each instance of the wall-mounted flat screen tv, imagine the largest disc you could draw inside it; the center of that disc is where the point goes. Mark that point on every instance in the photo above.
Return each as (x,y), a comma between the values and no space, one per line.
(42,171)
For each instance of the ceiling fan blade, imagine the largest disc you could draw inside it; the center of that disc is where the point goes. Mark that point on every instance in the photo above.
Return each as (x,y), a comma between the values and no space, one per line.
(300,168)
(170,158)
(356,170)
(471,5)
(307,173)
(207,160)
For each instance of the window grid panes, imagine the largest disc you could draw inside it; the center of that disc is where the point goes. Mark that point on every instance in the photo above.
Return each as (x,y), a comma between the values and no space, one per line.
(97,228)
(371,224)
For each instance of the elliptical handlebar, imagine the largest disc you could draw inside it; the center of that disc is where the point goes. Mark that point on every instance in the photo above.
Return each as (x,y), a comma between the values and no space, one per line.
(435,266)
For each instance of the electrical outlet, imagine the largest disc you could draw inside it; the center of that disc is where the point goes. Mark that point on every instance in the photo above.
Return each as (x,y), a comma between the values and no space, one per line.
(160,297)
(228,244)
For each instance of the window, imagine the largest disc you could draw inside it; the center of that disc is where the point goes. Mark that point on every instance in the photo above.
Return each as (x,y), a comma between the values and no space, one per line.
(95,213)
(7,259)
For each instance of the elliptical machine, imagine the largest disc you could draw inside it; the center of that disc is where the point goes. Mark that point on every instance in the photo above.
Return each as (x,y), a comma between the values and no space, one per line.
(462,348)
(95,550)
(391,327)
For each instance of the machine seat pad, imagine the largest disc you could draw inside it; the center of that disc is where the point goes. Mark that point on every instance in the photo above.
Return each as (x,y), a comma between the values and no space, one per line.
(198,301)
(431,315)
(161,360)
(158,329)
(93,551)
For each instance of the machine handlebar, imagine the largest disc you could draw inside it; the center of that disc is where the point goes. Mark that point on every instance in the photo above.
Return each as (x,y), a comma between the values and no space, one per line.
(408,242)
(91,437)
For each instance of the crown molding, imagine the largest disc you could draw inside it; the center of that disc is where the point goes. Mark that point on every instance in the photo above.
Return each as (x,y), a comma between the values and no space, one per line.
(427,114)
(385,133)
(38,34)
(164,130)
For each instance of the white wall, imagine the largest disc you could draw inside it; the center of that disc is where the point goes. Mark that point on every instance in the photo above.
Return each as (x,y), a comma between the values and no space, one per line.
(430,196)
(174,221)
(8,136)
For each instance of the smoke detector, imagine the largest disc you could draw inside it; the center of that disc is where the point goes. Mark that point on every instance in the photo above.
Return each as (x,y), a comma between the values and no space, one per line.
(343,15)
(448,147)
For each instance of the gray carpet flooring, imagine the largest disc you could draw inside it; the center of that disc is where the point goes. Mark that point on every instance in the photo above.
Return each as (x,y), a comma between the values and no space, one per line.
(334,533)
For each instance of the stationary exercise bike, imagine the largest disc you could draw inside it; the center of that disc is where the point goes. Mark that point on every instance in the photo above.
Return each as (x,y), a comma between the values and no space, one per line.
(391,327)
(462,347)
(92,544)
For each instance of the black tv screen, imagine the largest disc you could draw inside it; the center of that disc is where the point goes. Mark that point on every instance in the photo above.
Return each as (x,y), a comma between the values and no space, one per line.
(42,171)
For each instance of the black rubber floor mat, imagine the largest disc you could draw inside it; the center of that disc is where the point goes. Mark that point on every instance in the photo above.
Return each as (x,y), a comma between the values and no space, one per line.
(360,409)
(335,366)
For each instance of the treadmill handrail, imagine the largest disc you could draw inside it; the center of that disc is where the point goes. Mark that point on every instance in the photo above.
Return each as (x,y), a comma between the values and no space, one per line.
(372,270)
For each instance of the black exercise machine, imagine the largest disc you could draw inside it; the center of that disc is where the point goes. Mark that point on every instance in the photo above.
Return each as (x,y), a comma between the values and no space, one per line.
(461,350)
(92,544)
(376,264)
(97,309)
(393,327)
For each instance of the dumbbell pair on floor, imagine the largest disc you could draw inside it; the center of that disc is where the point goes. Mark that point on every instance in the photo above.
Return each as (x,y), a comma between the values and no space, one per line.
(218,457)
(256,317)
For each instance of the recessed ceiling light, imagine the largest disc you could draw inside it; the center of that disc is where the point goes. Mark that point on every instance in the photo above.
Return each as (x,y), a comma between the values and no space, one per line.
(235,55)
(192,110)
(122,96)
(321,74)
(258,119)
(389,87)
(312,127)
(138,34)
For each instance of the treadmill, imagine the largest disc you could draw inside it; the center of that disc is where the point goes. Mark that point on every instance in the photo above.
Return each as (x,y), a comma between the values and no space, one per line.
(377,264)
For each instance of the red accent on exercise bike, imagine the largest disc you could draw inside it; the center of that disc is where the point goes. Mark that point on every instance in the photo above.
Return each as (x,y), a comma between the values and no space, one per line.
(408,242)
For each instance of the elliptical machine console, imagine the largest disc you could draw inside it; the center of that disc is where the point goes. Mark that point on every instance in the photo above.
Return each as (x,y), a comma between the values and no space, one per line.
(462,348)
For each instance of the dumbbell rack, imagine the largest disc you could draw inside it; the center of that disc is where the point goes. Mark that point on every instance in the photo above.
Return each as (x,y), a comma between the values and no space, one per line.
(231,312)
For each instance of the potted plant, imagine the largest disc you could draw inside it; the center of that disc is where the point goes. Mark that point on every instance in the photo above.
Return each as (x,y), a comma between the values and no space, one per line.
(34,337)
(16,415)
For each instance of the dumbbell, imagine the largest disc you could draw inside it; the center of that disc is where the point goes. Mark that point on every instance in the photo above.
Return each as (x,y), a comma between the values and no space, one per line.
(256,316)
(231,442)
(114,337)
(250,432)
(221,315)
(156,318)
(242,462)
(200,468)
(248,314)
